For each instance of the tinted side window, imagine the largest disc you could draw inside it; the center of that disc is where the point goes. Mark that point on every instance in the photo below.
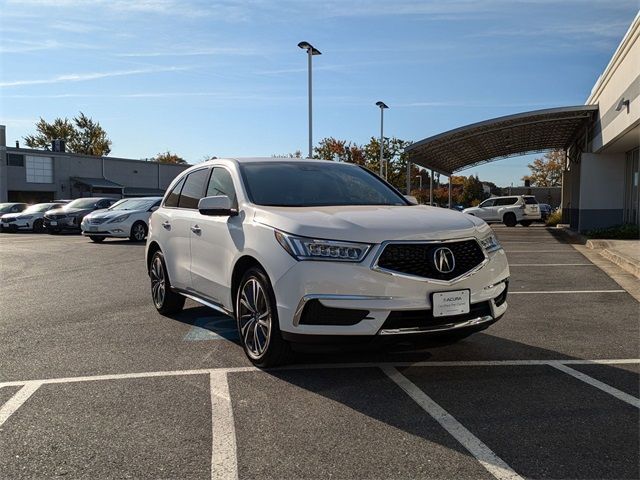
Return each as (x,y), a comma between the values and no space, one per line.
(174,196)
(193,189)
(487,203)
(221,183)
(530,200)
(507,201)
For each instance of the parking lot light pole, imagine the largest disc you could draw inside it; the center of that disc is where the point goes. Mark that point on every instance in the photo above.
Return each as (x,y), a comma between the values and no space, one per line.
(311,51)
(382,106)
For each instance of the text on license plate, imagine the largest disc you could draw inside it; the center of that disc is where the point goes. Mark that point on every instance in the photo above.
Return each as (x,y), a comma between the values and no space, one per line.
(447,304)
(53,222)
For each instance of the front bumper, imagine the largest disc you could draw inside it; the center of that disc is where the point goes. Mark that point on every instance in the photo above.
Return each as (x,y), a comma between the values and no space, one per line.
(58,225)
(116,230)
(357,287)
(16,225)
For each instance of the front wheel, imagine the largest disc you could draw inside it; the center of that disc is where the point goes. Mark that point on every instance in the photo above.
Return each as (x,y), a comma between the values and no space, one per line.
(526,223)
(509,219)
(38,226)
(164,299)
(138,232)
(257,319)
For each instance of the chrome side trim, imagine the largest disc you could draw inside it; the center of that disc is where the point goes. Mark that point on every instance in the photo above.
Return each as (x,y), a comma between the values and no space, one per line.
(207,303)
(383,245)
(440,328)
(320,296)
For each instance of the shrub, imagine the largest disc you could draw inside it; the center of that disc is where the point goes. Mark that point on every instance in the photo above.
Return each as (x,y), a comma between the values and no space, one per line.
(554,219)
(619,232)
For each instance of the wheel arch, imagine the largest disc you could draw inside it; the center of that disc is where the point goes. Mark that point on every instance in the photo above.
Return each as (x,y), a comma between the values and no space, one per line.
(153,248)
(243,264)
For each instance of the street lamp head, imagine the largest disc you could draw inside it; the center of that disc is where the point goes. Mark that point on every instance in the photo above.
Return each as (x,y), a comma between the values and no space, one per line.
(309,48)
(381,105)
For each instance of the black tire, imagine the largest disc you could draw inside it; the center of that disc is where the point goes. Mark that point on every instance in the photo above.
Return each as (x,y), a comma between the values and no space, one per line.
(53,232)
(274,350)
(526,223)
(164,298)
(509,219)
(38,226)
(138,232)
(95,238)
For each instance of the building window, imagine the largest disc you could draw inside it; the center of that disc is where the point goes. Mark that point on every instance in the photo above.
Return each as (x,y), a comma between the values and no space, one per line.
(39,169)
(15,160)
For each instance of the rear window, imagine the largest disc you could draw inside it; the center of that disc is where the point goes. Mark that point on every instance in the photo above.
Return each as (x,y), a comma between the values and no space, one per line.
(530,200)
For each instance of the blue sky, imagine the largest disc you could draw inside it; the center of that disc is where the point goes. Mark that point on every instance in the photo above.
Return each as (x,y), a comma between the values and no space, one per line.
(226,78)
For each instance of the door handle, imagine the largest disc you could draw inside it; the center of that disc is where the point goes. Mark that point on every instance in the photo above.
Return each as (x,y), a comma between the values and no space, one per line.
(196,229)
(167,225)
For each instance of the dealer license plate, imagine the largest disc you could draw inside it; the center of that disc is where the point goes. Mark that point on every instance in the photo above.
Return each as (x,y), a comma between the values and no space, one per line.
(447,304)
(53,223)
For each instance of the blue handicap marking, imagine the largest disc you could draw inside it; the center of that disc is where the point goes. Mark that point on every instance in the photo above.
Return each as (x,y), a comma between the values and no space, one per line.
(212,328)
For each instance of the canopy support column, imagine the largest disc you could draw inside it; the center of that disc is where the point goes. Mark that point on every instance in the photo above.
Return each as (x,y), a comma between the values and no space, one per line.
(431,188)
(450,190)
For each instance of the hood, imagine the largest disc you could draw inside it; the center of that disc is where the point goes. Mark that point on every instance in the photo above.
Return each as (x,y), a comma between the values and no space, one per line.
(67,211)
(104,213)
(373,224)
(9,215)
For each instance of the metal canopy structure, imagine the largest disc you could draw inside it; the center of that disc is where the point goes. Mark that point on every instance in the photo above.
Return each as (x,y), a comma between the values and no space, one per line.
(502,137)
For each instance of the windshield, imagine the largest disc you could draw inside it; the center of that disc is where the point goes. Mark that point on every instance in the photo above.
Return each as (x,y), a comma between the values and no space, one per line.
(40,207)
(5,207)
(308,184)
(83,203)
(133,204)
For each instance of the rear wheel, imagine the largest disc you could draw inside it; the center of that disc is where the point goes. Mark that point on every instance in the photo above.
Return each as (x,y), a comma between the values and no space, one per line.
(95,238)
(38,226)
(257,319)
(525,223)
(509,219)
(138,232)
(164,299)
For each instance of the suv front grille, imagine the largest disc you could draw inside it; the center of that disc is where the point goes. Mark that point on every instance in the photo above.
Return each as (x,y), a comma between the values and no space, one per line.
(54,217)
(418,258)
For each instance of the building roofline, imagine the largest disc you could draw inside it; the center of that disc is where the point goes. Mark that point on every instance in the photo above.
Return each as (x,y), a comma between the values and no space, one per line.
(50,153)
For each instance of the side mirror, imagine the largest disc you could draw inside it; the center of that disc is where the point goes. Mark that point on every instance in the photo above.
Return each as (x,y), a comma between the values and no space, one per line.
(412,200)
(218,205)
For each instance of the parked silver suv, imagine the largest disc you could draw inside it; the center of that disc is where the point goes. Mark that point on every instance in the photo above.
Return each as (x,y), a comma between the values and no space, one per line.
(522,209)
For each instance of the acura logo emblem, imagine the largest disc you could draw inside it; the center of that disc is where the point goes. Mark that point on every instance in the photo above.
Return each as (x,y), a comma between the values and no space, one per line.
(444,260)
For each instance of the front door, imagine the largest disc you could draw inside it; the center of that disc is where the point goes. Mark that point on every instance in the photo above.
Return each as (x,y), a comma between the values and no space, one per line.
(485,210)
(214,242)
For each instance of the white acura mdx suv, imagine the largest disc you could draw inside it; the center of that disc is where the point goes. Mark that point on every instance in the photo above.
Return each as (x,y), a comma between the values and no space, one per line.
(310,250)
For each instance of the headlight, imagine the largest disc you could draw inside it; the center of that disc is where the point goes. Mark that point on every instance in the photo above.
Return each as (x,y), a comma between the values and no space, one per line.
(303,248)
(490,243)
(119,218)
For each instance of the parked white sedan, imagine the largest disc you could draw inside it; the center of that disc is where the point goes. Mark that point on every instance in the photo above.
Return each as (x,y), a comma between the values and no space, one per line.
(128,218)
(30,218)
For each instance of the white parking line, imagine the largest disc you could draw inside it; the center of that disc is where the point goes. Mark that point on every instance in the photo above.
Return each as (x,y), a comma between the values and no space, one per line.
(567,291)
(557,250)
(15,402)
(487,458)
(551,265)
(316,366)
(625,397)
(224,462)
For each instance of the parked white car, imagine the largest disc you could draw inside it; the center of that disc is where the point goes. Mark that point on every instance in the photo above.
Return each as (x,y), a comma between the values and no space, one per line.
(511,210)
(310,250)
(127,218)
(31,218)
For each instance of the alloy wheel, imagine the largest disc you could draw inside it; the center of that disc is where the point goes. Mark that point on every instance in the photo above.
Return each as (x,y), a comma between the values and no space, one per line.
(138,232)
(158,283)
(254,318)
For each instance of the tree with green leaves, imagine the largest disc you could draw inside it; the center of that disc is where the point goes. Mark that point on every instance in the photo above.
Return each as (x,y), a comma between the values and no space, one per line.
(472,191)
(168,157)
(546,171)
(81,135)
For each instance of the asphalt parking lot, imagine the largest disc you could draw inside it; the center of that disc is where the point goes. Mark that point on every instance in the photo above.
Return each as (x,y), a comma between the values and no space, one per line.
(95,384)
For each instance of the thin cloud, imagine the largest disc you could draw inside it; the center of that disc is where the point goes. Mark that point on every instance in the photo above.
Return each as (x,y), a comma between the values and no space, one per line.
(192,52)
(83,77)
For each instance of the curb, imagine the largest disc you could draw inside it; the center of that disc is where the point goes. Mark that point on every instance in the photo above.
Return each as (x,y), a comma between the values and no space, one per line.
(604,248)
